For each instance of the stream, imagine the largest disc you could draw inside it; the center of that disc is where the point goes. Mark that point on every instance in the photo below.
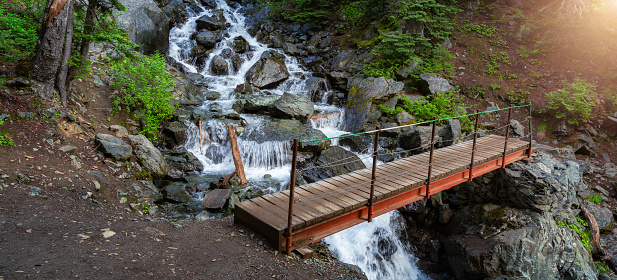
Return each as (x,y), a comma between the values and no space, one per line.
(377,247)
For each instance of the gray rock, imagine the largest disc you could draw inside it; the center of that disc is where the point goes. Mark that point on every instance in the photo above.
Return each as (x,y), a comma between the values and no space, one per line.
(212,23)
(119,131)
(50,113)
(565,152)
(584,145)
(212,95)
(562,129)
(219,66)
(291,49)
(176,11)
(404,118)
(150,157)
(452,133)
(177,130)
(278,41)
(18,83)
(416,138)
(209,39)
(362,93)
(183,161)
(147,25)
(431,84)
(517,128)
(316,88)
(323,166)
(241,45)
(291,106)
(252,103)
(203,216)
(287,130)
(603,216)
(67,149)
(245,88)
(216,199)
(113,146)
(29,115)
(342,60)
(34,191)
(268,71)
(176,192)
(609,126)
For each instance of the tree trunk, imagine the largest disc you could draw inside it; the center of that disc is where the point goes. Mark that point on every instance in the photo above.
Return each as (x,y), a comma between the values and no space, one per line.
(84,48)
(66,56)
(49,47)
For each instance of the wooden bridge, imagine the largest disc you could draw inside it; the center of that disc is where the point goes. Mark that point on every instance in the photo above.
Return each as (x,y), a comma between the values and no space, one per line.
(294,218)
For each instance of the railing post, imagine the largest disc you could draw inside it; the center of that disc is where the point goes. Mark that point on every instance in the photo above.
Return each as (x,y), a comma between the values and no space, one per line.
(430,161)
(505,145)
(371,200)
(530,133)
(292,187)
(473,150)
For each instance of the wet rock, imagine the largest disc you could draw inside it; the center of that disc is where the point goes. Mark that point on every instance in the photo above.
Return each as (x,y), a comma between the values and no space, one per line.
(290,106)
(176,11)
(278,41)
(269,71)
(209,39)
(431,84)
(291,49)
(177,130)
(113,146)
(323,166)
(216,199)
(362,93)
(212,95)
(176,192)
(209,3)
(150,157)
(241,45)
(287,130)
(254,104)
(245,88)
(119,131)
(236,62)
(184,161)
(219,66)
(147,24)
(316,87)
(213,23)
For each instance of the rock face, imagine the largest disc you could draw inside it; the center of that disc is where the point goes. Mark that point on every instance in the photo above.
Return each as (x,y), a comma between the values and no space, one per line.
(313,172)
(113,146)
(150,157)
(287,130)
(362,93)
(269,71)
(147,25)
(520,238)
(291,106)
(432,84)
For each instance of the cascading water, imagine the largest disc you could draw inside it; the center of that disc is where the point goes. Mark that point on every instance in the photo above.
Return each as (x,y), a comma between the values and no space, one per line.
(273,157)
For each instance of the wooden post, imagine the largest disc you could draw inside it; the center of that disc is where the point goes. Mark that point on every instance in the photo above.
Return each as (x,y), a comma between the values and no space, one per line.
(530,134)
(371,200)
(430,161)
(201,137)
(236,154)
(505,145)
(473,149)
(292,187)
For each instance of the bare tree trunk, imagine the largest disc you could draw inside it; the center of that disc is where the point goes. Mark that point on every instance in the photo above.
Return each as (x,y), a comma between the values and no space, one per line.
(88,30)
(595,233)
(49,47)
(66,56)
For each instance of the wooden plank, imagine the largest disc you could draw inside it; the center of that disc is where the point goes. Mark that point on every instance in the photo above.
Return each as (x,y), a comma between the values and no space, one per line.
(269,209)
(263,214)
(304,213)
(387,189)
(315,196)
(338,193)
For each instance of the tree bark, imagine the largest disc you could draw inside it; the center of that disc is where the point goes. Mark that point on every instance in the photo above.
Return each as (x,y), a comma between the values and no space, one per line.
(595,233)
(49,47)
(66,56)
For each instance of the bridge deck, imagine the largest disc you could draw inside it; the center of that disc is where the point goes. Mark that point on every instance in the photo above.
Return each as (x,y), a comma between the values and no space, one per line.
(325,207)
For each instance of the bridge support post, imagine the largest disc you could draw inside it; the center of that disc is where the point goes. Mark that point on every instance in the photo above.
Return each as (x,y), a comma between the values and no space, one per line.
(530,133)
(371,200)
(473,149)
(505,145)
(430,160)
(292,187)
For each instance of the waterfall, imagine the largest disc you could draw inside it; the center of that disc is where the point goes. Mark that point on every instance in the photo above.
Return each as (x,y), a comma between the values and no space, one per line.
(376,247)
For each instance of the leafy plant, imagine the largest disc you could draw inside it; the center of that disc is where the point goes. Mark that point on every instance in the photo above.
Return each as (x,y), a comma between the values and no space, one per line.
(19,21)
(518,96)
(143,86)
(5,140)
(595,199)
(601,267)
(574,101)
(585,235)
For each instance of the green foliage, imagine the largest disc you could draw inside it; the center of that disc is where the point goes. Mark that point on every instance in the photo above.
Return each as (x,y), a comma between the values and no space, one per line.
(574,101)
(595,199)
(442,105)
(5,140)
(19,22)
(517,96)
(481,30)
(495,87)
(512,76)
(602,267)
(143,86)
(523,52)
(584,234)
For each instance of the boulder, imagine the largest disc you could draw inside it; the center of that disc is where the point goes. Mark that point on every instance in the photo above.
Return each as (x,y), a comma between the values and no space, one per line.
(609,126)
(362,92)
(562,129)
(341,61)
(241,45)
(119,131)
(146,24)
(219,66)
(287,130)
(269,71)
(150,157)
(603,216)
(430,84)
(181,161)
(113,146)
(415,138)
(291,49)
(331,162)
(517,129)
(404,118)
(208,39)
(176,192)
(451,134)
(565,152)
(252,103)
(216,199)
(176,11)
(316,87)
(290,106)
(213,23)
(177,130)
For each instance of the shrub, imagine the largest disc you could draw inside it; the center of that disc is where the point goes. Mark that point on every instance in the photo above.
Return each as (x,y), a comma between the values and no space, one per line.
(5,140)
(595,199)
(143,87)
(19,22)
(574,101)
